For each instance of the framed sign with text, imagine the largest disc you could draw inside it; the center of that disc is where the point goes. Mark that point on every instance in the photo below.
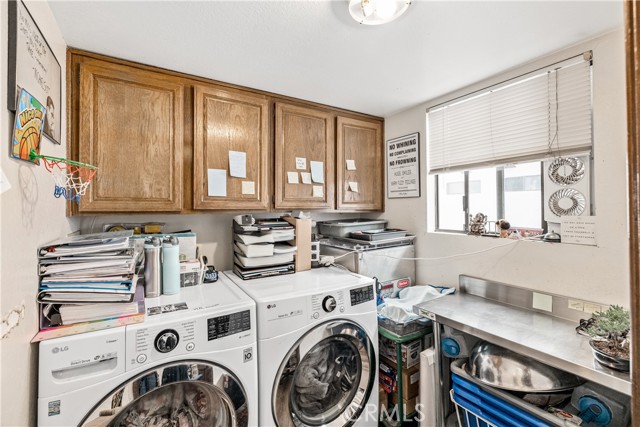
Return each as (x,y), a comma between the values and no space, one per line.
(33,67)
(403,166)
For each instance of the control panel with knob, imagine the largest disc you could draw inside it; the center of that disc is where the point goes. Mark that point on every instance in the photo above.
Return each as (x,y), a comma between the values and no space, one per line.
(329,304)
(166,341)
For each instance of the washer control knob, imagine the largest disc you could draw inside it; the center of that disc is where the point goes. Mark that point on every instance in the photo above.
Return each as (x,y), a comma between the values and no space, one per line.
(329,304)
(166,341)
(141,358)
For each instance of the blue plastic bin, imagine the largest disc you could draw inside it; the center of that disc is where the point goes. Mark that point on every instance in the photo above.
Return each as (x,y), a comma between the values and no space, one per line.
(496,411)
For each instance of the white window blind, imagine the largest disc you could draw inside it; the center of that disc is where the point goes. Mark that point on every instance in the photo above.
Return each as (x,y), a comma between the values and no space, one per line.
(547,111)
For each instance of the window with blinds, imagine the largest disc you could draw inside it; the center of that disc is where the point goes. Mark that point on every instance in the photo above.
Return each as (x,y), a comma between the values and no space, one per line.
(540,113)
(486,149)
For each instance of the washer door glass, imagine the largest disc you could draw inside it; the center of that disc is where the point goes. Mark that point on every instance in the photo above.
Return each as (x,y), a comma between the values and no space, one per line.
(185,394)
(326,378)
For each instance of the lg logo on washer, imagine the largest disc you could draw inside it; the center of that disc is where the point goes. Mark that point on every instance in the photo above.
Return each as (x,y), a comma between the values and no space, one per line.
(270,306)
(56,350)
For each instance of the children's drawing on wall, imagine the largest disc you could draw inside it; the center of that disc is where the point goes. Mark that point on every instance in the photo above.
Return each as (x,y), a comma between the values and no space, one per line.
(28,127)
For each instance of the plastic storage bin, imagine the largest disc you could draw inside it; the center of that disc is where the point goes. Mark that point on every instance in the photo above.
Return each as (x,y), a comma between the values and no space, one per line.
(479,419)
(477,403)
(402,329)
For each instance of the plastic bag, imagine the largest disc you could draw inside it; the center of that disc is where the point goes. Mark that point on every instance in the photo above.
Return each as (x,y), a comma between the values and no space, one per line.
(400,309)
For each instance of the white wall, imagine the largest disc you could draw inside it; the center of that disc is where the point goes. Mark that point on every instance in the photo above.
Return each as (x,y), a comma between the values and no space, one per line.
(599,274)
(29,216)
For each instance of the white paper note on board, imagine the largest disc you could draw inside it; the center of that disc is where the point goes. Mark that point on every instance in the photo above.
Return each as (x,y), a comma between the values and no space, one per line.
(301,163)
(292,178)
(5,185)
(579,230)
(353,186)
(217,182)
(318,191)
(306,177)
(248,187)
(317,172)
(238,164)
(351,165)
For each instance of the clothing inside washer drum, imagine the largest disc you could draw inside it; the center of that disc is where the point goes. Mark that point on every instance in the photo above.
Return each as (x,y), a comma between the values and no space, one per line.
(180,404)
(326,373)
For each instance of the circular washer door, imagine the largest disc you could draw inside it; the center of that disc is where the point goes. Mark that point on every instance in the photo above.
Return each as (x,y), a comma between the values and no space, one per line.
(326,378)
(186,394)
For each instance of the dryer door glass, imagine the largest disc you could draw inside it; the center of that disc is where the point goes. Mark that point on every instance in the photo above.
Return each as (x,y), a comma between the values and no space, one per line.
(326,378)
(185,394)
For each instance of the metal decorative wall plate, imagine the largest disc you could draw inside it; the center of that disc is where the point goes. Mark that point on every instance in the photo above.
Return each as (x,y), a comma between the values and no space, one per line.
(558,168)
(577,199)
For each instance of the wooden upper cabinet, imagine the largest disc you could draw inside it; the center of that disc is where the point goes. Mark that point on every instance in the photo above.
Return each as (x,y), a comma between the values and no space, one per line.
(360,141)
(230,120)
(306,135)
(130,127)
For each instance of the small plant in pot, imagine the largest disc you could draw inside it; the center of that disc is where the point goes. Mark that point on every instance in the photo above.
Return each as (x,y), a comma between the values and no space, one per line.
(610,337)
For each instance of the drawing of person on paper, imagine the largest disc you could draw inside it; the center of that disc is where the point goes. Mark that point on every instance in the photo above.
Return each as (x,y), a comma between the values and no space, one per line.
(50,120)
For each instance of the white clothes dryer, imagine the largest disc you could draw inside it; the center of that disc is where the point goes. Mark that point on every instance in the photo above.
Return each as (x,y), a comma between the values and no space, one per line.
(193,363)
(318,344)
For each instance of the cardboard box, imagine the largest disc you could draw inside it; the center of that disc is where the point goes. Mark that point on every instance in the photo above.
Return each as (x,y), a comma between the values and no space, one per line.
(409,404)
(383,399)
(410,351)
(302,242)
(410,377)
(191,273)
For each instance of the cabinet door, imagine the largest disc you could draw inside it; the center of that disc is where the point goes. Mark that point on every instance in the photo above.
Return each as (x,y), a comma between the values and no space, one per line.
(131,129)
(361,142)
(306,135)
(228,120)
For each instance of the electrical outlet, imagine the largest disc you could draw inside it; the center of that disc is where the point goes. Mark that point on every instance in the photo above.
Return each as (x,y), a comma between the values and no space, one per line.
(542,302)
(591,308)
(576,305)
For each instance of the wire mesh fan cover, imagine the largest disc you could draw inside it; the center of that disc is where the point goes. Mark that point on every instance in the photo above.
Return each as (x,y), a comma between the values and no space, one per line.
(577,170)
(578,202)
(72,180)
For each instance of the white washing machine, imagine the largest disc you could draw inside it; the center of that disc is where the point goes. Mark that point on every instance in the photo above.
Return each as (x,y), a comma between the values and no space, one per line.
(318,345)
(194,363)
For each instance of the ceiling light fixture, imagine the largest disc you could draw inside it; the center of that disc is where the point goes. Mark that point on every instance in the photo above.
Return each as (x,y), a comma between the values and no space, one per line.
(377,12)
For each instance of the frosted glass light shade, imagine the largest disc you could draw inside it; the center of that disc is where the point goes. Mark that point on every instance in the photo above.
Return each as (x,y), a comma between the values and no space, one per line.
(377,12)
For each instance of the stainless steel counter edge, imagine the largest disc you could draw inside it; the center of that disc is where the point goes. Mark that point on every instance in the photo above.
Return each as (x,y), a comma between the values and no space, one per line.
(615,380)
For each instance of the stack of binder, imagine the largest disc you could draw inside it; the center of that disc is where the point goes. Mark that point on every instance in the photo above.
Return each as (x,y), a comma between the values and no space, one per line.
(88,282)
(261,249)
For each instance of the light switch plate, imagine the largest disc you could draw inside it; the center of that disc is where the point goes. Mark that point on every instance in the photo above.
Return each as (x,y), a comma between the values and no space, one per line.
(542,302)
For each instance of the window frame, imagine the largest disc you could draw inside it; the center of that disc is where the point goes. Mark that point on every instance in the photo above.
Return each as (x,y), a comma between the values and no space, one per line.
(500,199)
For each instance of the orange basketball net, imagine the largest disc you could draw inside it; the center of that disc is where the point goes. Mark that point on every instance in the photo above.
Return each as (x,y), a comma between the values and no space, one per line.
(71,178)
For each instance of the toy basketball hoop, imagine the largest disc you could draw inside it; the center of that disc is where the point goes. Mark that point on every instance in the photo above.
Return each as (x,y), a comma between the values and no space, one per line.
(71,178)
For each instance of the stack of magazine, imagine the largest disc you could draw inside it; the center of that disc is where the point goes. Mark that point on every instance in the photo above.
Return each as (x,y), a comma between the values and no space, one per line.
(88,282)
(261,249)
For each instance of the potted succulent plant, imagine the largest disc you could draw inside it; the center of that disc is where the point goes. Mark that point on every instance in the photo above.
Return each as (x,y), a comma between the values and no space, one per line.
(610,337)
